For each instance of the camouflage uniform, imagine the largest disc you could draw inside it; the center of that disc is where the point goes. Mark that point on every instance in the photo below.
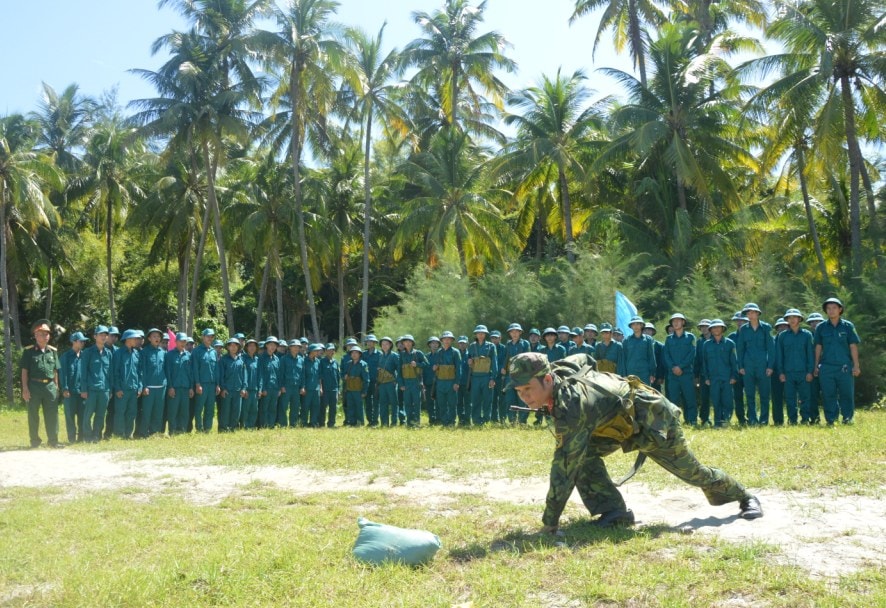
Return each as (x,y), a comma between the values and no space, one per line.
(594,415)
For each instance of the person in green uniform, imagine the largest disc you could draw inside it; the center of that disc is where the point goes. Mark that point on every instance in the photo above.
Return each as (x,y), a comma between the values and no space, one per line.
(609,353)
(618,335)
(151,361)
(386,382)
(590,335)
(313,387)
(777,386)
(126,384)
(534,339)
(249,408)
(429,379)
(756,356)
(497,411)
(564,338)
(232,381)
(515,346)
(412,364)
(39,373)
(639,352)
(836,363)
(371,355)
(814,320)
(596,414)
(738,387)
(355,381)
(69,381)
(795,362)
(660,369)
(483,362)
(720,371)
(179,373)
(581,347)
(270,379)
(330,380)
(95,384)
(204,362)
(464,400)
(447,372)
(290,402)
(679,354)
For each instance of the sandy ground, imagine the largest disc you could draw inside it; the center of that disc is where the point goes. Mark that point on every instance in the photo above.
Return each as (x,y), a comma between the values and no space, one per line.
(829,535)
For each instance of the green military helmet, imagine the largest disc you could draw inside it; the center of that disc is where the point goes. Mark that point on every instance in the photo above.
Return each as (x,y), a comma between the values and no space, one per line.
(389,339)
(304,341)
(780,322)
(814,317)
(704,323)
(636,319)
(515,326)
(181,337)
(240,336)
(563,329)
(739,316)
(549,330)
(217,343)
(78,336)
(526,366)
(751,306)
(154,330)
(649,325)
(190,340)
(100,329)
(370,338)
(576,331)
(618,331)
(261,344)
(495,334)
(718,323)
(534,332)
(462,339)
(330,346)
(113,331)
(793,312)
(677,315)
(836,301)
(408,337)
(252,341)
(350,342)
(295,342)
(355,349)
(605,328)
(481,329)
(434,339)
(271,339)
(233,341)
(591,327)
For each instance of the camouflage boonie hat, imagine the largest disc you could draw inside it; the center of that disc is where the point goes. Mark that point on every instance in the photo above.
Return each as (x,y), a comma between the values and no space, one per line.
(526,366)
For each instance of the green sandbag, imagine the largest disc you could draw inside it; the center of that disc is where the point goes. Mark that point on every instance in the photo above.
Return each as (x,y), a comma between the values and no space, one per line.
(380,543)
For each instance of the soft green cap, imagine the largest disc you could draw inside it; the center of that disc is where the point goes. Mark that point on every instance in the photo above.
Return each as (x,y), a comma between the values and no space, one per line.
(526,366)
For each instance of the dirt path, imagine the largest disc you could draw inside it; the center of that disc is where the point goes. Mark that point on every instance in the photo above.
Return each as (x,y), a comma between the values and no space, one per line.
(828,535)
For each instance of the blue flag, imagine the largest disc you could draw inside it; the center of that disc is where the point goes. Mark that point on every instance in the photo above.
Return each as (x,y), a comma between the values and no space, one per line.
(624,310)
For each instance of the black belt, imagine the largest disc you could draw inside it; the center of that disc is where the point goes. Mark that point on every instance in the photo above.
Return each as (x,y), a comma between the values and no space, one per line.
(41,380)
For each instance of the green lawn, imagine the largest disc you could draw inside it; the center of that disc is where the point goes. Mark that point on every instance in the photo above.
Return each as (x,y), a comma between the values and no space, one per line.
(271,547)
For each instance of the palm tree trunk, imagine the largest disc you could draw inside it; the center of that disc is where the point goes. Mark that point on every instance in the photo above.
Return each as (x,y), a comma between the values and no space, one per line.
(638,49)
(813,231)
(219,236)
(198,262)
(265,275)
(460,246)
(14,316)
(295,145)
(109,223)
(4,287)
(281,318)
(874,227)
(340,281)
(567,215)
(184,268)
(855,161)
(681,192)
(50,284)
(367,215)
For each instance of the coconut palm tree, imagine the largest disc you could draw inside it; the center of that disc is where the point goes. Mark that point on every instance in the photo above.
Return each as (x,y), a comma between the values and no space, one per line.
(455,61)
(369,76)
(557,130)
(834,50)
(25,178)
(626,19)
(306,50)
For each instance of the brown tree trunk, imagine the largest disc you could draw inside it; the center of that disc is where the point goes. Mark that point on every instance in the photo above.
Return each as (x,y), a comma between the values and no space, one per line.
(50,285)
(265,276)
(855,161)
(184,268)
(567,215)
(109,223)
(367,215)
(198,262)
(4,288)
(813,231)
(874,227)
(219,236)
(637,45)
(340,282)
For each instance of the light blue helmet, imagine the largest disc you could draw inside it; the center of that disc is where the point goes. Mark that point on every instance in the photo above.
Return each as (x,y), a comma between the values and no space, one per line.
(576,331)
(751,306)
(563,329)
(780,321)
(718,323)
(462,339)
(836,301)
(434,339)
(550,330)
(330,346)
(78,336)
(495,334)
(388,339)
(208,332)
(481,329)
(233,341)
(113,331)
(129,334)
(370,338)
(814,317)
(636,319)
(591,327)
(154,330)
(313,348)
(295,342)
(446,334)
(350,342)
(793,312)
(515,326)
(605,327)
(181,336)
(217,343)
(271,339)
(407,337)
(101,329)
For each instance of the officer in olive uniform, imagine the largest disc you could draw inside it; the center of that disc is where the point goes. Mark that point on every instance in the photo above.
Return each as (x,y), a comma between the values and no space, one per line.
(596,414)
(483,361)
(39,372)
(69,381)
(836,363)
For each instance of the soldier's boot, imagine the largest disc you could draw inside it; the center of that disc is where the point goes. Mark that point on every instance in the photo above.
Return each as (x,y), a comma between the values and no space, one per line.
(617,517)
(750,508)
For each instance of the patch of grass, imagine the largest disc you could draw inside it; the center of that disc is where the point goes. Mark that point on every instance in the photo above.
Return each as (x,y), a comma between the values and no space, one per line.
(272,548)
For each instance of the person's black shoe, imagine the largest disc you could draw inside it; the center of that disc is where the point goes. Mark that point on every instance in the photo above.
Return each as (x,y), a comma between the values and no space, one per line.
(618,517)
(750,508)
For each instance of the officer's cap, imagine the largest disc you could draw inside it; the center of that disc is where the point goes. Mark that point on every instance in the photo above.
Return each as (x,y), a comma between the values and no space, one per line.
(41,325)
(650,326)
(154,330)
(514,326)
(407,337)
(605,327)
(462,339)
(113,331)
(636,319)
(371,338)
(781,321)
(434,339)
(495,334)
(751,306)
(704,323)
(836,301)
(526,366)
(295,342)
(217,343)
(78,336)
(313,348)
(677,315)
(534,332)
(550,330)
(718,323)
(591,327)
(208,332)
(447,334)
(101,329)
(481,329)
(576,331)
(389,339)
(563,329)
(233,341)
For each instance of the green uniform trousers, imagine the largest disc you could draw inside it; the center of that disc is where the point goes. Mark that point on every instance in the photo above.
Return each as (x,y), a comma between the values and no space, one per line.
(45,397)
(152,412)
(249,410)
(125,408)
(387,403)
(74,417)
(177,410)
(94,410)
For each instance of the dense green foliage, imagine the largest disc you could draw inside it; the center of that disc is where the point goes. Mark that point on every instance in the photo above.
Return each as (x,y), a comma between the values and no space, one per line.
(428,194)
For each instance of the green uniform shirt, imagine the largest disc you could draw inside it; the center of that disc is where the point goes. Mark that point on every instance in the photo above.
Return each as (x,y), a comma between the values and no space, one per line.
(41,364)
